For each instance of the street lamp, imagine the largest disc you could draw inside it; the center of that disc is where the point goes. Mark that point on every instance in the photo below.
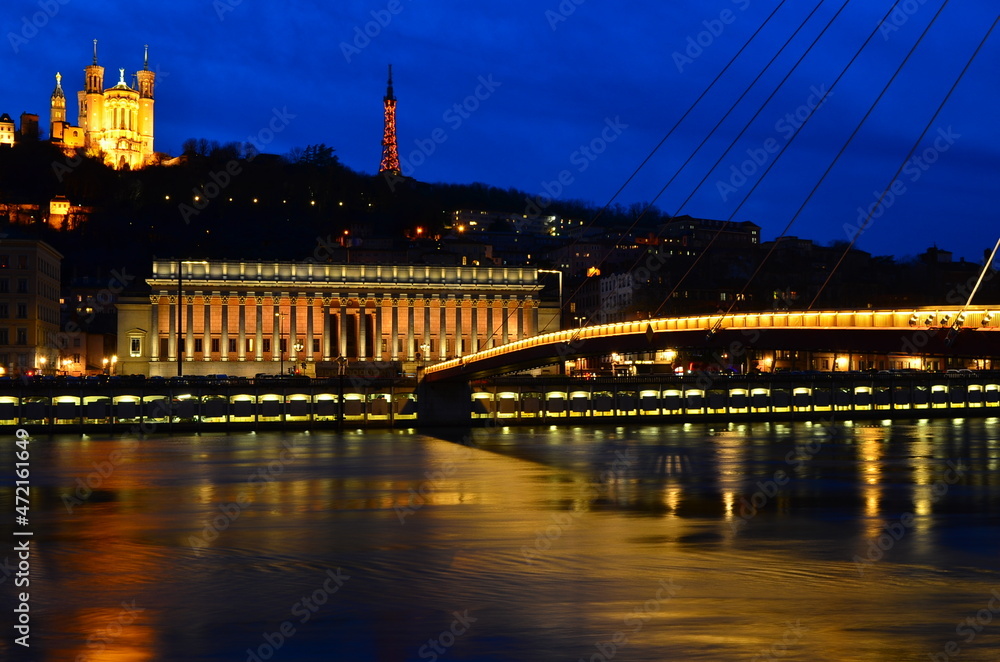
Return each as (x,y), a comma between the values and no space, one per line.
(104,364)
(298,347)
(114,362)
(41,363)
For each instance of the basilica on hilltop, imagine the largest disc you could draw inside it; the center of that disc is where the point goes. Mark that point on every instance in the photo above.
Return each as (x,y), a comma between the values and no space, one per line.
(114,123)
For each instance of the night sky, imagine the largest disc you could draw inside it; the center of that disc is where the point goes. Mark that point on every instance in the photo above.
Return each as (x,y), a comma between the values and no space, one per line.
(552,77)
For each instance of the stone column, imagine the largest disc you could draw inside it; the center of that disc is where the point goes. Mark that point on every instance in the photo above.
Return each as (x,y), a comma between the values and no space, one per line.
(459,331)
(443,327)
(224,332)
(474,336)
(534,317)
(172,322)
(275,327)
(189,332)
(427,325)
(241,337)
(409,328)
(293,332)
(206,343)
(490,331)
(327,335)
(362,328)
(520,320)
(504,323)
(154,350)
(310,312)
(377,340)
(395,328)
(259,330)
(342,327)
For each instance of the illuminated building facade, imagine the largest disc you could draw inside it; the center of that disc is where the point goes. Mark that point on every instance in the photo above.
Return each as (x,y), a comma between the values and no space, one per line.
(245,318)
(116,122)
(29,305)
(390,153)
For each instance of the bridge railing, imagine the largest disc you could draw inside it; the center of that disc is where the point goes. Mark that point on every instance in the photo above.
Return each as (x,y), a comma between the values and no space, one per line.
(911,318)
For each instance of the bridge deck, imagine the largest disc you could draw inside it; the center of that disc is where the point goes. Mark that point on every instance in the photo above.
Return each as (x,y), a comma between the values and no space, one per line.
(925,330)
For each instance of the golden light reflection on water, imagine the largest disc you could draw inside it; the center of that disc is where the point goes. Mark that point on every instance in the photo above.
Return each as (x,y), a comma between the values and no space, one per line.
(869,442)
(731,450)
(544,551)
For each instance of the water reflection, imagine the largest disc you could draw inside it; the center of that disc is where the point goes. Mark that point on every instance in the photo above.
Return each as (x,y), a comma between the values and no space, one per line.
(550,538)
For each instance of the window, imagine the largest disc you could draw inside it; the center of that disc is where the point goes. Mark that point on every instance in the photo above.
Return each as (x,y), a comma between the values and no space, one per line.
(22,261)
(22,336)
(216,345)
(232,345)
(283,345)
(315,346)
(22,311)
(164,347)
(22,285)
(4,285)
(267,345)
(135,346)
(249,345)
(4,311)
(4,261)
(197,345)
(4,336)
(76,342)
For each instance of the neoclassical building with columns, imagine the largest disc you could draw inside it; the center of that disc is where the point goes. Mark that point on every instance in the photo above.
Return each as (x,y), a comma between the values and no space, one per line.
(245,317)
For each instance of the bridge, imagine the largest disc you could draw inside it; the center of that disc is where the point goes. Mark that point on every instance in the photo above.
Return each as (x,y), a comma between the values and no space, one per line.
(943,331)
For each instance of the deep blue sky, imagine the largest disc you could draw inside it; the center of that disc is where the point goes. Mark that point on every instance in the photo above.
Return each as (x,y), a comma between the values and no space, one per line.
(562,70)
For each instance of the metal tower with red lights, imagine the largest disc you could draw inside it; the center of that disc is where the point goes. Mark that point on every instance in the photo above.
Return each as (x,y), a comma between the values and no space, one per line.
(390,155)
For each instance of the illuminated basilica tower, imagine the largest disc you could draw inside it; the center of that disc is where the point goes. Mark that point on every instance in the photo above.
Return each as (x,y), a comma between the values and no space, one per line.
(117,122)
(390,155)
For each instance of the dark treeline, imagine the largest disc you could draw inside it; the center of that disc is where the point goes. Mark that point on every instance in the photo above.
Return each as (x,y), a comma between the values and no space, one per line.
(227,201)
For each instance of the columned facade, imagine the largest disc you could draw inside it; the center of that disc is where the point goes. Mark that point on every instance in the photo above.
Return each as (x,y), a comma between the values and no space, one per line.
(244,318)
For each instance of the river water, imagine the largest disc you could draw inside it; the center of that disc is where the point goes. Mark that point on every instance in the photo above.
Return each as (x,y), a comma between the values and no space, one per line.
(676,542)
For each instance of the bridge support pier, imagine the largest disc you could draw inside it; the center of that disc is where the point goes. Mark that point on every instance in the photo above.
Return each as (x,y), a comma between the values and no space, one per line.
(444,403)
